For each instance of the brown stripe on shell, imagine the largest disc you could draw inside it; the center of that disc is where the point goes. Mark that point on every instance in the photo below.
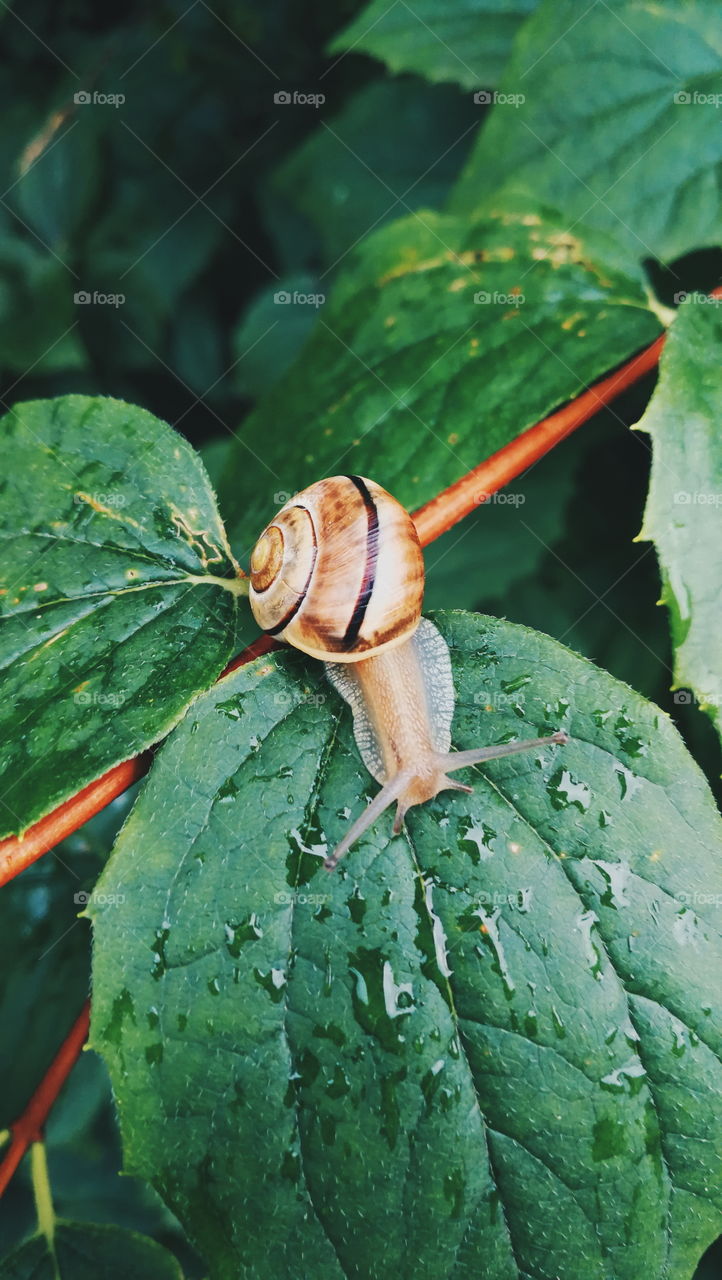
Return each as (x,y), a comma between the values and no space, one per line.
(369,577)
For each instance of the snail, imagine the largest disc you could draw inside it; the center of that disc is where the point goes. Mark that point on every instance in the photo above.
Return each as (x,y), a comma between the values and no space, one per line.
(339,574)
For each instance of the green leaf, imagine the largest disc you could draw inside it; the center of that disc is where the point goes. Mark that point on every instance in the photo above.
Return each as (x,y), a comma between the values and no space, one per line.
(118,594)
(408,379)
(465,41)
(683,516)
(616,126)
(397,146)
(37,320)
(272,331)
(59,174)
(87,1251)
(490,1046)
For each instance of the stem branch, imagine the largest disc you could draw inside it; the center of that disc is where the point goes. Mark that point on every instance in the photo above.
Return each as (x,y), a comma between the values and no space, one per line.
(29,1125)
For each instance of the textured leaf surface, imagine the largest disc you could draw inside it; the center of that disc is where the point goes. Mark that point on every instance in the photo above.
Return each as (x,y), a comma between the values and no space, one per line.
(465,41)
(684,508)
(618,126)
(87,1251)
(117,598)
(489,1046)
(408,378)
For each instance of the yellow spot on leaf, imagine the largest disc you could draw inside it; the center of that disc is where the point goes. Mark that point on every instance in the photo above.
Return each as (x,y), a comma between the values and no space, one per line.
(102,510)
(40,586)
(42,140)
(52,640)
(199,539)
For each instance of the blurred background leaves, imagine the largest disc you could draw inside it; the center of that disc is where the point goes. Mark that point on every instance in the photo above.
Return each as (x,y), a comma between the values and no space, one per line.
(197,199)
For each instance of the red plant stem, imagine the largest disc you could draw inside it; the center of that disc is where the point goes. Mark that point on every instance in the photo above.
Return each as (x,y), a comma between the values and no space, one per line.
(264,644)
(18,852)
(29,1125)
(433,519)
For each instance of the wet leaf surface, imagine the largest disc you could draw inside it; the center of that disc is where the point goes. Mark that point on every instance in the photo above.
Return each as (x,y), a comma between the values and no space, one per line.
(118,593)
(488,1046)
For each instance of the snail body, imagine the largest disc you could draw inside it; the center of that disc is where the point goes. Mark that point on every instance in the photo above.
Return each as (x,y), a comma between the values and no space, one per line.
(339,574)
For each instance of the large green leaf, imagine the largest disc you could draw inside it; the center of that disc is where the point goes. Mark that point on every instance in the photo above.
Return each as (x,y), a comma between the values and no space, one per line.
(617,126)
(87,1251)
(465,41)
(409,379)
(489,1046)
(683,516)
(118,594)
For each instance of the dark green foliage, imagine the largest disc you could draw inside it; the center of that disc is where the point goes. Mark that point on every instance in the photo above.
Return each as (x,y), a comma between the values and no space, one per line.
(491,1045)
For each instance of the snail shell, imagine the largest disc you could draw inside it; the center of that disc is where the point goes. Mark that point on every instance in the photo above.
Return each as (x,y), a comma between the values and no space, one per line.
(339,572)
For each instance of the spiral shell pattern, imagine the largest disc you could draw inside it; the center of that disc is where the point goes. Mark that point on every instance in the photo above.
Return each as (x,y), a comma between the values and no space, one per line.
(339,572)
